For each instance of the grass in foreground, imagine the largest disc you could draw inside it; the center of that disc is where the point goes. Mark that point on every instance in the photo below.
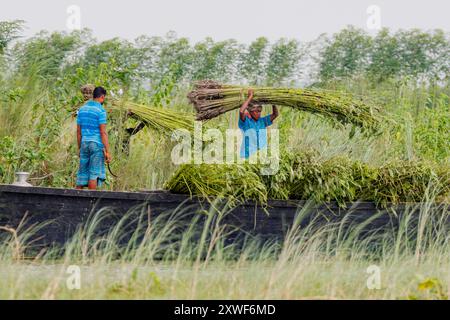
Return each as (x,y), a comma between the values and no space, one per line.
(313,262)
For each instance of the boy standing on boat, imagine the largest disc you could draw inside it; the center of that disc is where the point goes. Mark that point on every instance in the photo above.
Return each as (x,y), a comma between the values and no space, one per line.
(253,126)
(92,141)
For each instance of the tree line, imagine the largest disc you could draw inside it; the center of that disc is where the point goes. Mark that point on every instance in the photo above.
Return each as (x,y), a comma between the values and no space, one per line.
(351,52)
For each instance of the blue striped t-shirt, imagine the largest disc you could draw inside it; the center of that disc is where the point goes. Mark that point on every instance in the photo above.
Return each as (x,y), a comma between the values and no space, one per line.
(90,117)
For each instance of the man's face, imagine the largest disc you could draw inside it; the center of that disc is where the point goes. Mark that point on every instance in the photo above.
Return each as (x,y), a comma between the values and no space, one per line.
(101,99)
(255,113)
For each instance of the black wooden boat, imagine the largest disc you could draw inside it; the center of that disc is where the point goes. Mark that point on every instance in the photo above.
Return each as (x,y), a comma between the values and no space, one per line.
(68,208)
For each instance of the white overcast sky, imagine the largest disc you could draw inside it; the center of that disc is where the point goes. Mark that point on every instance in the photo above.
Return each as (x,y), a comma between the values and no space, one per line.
(243,20)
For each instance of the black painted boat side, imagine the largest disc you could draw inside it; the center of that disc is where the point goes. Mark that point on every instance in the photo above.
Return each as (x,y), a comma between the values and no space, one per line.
(68,208)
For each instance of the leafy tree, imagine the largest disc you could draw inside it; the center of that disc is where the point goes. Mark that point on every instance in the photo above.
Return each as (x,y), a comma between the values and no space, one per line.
(121,55)
(214,60)
(46,54)
(385,57)
(407,53)
(283,60)
(253,61)
(346,54)
(413,52)
(439,55)
(172,51)
(9,31)
(423,54)
(147,55)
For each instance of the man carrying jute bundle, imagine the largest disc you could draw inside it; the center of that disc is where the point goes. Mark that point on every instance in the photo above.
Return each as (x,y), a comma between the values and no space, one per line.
(92,141)
(253,126)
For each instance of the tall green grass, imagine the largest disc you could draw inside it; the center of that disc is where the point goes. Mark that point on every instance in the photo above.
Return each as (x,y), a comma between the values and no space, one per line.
(158,261)
(37,133)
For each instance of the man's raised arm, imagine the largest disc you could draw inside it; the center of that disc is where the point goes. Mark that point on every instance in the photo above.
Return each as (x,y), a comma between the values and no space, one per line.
(245,105)
(274,114)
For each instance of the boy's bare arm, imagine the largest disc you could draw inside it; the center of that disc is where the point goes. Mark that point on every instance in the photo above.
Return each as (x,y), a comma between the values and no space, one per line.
(79,136)
(245,105)
(104,136)
(274,114)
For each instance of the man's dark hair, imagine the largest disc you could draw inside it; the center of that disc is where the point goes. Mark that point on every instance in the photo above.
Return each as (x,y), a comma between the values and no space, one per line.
(253,105)
(98,92)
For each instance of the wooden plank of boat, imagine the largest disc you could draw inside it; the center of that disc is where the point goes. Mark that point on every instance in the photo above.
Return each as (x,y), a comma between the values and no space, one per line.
(68,208)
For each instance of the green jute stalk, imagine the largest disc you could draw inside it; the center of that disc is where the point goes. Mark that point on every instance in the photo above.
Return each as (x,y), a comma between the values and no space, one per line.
(162,120)
(212,99)
(305,175)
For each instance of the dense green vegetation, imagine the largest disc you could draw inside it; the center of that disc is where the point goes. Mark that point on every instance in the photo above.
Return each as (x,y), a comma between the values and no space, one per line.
(405,73)
(305,176)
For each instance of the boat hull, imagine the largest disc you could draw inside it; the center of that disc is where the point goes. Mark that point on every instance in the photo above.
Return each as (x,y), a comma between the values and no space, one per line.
(64,210)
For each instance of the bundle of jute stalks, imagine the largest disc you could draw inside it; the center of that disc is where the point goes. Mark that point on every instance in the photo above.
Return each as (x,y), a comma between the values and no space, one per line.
(212,99)
(305,175)
(87,90)
(162,120)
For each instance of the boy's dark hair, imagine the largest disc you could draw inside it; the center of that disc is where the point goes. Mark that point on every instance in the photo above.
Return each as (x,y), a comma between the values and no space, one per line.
(98,92)
(253,105)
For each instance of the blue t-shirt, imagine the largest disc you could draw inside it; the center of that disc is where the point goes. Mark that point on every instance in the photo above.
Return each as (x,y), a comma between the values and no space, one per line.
(254,134)
(90,117)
